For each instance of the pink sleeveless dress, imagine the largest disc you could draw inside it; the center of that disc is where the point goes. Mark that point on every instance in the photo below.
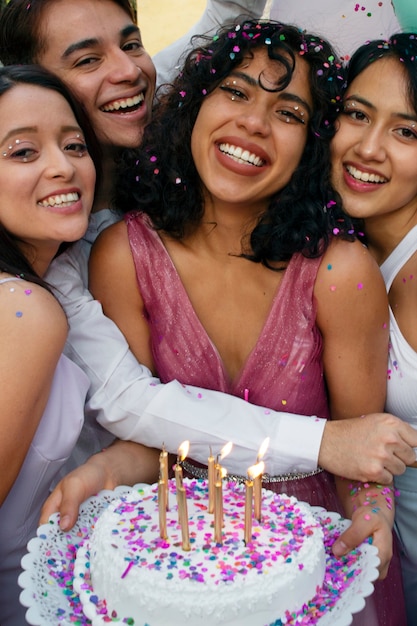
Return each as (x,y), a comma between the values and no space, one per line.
(284,371)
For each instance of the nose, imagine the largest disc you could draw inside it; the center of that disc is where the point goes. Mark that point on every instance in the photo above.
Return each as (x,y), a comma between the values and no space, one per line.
(254,119)
(122,68)
(371,145)
(58,164)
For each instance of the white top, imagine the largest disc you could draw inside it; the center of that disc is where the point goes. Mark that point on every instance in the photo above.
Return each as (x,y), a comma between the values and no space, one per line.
(402,364)
(129,402)
(54,439)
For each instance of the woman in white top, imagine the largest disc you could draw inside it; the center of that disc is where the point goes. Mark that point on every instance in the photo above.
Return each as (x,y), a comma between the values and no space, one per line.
(47,180)
(374,157)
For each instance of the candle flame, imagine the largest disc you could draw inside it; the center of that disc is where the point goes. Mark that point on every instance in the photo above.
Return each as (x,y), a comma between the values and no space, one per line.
(225,450)
(183,450)
(256,470)
(263,448)
(223,472)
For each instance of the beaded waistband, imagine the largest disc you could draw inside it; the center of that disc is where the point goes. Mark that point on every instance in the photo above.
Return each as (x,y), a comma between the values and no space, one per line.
(201,472)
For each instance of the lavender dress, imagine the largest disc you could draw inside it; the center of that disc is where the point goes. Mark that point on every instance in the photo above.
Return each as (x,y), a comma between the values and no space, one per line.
(52,444)
(284,371)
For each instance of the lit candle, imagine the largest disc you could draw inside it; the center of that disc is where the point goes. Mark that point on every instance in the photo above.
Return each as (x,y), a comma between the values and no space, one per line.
(162,507)
(218,512)
(257,471)
(178,476)
(182,453)
(211,482)
(221,472)
(163,473)
(181,496)
(248,510)
(183,518)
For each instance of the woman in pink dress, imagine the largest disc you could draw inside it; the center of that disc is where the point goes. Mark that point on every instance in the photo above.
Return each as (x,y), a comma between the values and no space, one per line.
(239,272)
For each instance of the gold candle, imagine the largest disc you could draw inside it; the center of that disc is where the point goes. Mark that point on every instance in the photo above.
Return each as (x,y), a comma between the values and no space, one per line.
(218,512)
(257,489)
(182,453)
(162,507)
(181,496)
(211,482)
(178,476)
(163,473)
(183,518)
(248,510)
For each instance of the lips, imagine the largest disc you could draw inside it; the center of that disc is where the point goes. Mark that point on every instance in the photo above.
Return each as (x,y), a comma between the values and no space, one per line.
(124,104)
(365,177)
(240,155)
(62,199)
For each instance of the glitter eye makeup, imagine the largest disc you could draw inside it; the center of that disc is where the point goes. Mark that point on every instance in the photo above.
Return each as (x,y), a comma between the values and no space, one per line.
(11,147)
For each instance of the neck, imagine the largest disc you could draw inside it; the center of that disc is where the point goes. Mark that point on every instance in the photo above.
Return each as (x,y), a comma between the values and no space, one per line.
(384,233)
(227,227)
(40,259)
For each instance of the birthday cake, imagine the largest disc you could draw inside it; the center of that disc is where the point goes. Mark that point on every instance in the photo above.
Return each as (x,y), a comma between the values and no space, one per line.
(149,580)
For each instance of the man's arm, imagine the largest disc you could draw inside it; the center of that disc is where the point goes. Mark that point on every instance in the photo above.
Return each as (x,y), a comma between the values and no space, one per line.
(126,400)
(216,13)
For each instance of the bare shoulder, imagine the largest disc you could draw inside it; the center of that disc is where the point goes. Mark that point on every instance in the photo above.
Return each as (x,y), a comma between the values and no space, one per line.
(111,239)
(29,308)
(349,264)
(350,289)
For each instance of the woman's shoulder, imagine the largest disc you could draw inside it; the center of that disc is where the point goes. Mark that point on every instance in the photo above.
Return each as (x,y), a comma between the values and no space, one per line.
(349,258)
(349,272)
(30,305)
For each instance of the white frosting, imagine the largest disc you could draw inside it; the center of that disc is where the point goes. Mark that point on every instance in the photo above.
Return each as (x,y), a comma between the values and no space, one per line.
(157,583)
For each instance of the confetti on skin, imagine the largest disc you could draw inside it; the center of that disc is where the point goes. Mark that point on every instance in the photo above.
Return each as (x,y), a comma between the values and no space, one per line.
(330,266)
(19,314)
(332,287)
(360,286)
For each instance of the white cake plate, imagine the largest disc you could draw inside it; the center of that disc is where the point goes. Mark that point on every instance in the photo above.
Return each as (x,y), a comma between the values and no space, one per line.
(47,579)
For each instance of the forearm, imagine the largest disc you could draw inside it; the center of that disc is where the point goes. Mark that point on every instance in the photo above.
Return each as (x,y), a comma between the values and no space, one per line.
(127,463)
(370,497)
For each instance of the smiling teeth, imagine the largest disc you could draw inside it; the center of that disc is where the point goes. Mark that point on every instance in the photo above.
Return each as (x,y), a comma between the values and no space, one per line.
(126,103)
(63,199)
(365,177)
(241,156)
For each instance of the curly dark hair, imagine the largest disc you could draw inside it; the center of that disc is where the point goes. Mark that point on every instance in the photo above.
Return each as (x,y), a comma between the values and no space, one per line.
(300,217)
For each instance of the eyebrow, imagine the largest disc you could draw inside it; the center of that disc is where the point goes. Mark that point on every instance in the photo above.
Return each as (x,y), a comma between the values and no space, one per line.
(34,129)
(94,41)
(365,102)
(282,95)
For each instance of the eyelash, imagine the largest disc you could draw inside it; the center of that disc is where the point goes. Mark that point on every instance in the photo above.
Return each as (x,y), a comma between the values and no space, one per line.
(28,154)
(290,115)
(360,116)
(135,46)
(80,148)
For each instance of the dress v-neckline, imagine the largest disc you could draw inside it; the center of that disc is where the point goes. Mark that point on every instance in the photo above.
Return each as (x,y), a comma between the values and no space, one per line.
(233,384)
